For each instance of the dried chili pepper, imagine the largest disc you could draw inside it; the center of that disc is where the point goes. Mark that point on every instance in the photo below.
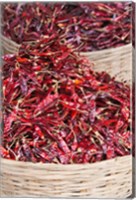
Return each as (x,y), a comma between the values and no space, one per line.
(85,26)
(65,112)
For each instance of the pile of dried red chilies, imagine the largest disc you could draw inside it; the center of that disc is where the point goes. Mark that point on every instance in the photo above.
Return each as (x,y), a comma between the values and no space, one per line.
(58,110)
(85,26)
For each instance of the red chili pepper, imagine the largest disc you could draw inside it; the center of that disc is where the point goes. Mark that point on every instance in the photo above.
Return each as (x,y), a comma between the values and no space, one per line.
(110,152)
(125,111)
(22,60)
(39,132)
(45,102)
(63,144)
(84,26)
(4,153)
(65,112)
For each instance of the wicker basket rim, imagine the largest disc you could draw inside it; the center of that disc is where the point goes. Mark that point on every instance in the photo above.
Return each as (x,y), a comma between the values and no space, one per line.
(120,48)
(113,49)
(65,166)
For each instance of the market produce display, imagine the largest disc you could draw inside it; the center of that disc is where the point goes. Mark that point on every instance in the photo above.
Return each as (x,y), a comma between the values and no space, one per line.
(58,110)
(84,26)
(67,99)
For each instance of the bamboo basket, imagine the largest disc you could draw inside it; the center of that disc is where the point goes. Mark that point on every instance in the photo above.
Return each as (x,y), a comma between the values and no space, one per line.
(9,46)
(106,179)
(115,61)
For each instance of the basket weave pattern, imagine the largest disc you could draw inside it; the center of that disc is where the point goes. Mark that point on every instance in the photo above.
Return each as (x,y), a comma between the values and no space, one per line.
(116,61)
(8,45)
(107,179)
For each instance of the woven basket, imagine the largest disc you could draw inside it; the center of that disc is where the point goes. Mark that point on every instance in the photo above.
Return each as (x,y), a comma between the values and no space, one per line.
(116,61)
(107,179)
(9,46)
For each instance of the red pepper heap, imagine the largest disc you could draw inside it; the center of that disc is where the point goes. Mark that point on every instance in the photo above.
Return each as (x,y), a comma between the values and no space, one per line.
(86,26)
(58,110)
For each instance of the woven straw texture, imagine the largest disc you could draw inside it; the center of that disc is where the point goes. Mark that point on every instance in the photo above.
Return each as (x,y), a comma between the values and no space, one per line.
(107,179)
(8,45)
(116,61)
